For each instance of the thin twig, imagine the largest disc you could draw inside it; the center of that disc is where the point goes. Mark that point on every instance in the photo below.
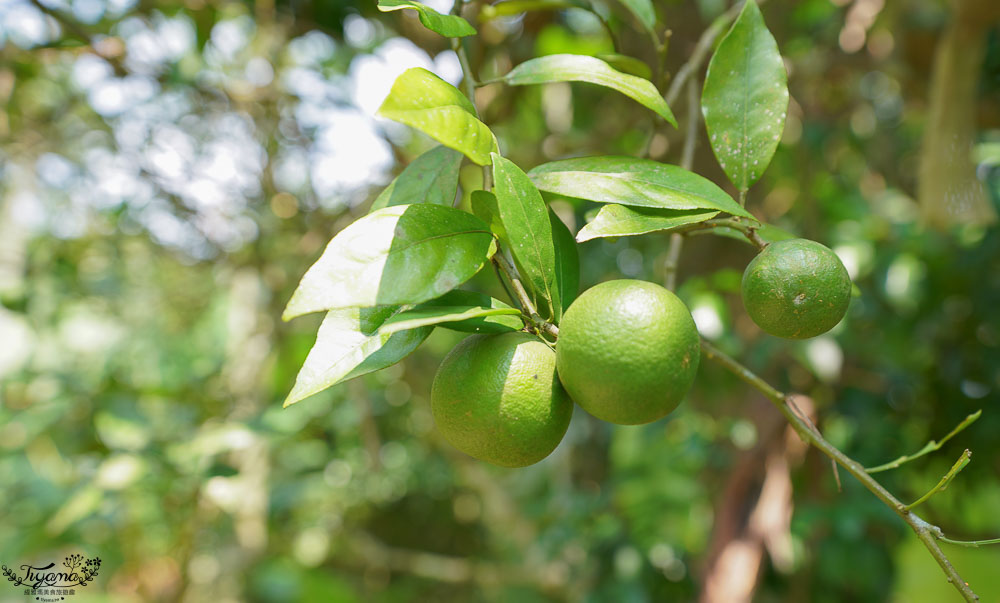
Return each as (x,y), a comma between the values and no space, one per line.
(927,533)
(944,481)
(928,447)
(687,160)
(700,52)
(527,306)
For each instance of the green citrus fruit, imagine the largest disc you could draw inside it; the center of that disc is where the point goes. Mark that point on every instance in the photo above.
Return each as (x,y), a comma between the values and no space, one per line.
(628,351)
(497,398)
(796,289)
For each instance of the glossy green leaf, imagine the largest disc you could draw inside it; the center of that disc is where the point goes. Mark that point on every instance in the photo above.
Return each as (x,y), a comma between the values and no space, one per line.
(581,68)
(621,221)
(349,345)
(405,254)
(567,264)
(643,11)
(424,101)
(450,26)
(484,205)
(525,218)
(745,98)
(516,7)
(626,64)
(496,323)
(430,316)
(430,178)
(632,181)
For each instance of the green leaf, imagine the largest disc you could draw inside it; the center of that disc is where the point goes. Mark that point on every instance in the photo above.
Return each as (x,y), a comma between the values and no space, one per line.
(632,181)
(620,221)
(627,64)
(525,217)
(745,98)
(581,68)
(643,11)
(430,178)
(498,323)
(405,254)
(484,205)
(567,264)
(430,316)
(449,26)
(516,7)
(348,345)
(424,101)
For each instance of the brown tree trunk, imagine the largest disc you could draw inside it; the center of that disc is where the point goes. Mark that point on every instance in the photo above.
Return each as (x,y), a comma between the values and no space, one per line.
(948,190)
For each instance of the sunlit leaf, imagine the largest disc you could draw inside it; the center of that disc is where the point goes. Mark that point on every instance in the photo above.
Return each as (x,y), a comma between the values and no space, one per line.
(349,345)
(567,264)
(405,254)
(516,7)
(745,98)
(430,178)
(431,315)
(580,68)
(632,181)
(424,101)
(615,220)
(525,218)
(450,26)
(495,323)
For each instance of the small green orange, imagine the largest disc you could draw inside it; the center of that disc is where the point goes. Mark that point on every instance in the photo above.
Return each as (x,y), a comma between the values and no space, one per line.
(497,398)
(796,289)
(628,351)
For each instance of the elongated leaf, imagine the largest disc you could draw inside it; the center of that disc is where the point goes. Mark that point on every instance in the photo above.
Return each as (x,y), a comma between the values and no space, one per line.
(632,181)
(567,264)
(498,323)
(525,217)
(450,26)
(430,316)
(580,68)
(745,98)
(430,178)
(484,205)
(620,221)
(643,11)
(627,64)
(516,7)
(405,254)
(424,101)
(348,345)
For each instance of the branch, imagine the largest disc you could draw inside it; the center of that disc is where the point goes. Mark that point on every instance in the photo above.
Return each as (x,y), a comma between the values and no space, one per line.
(928,447)
(943,483)
(700,52)
(927,533)
(735,223)
(527,306)
(687,160)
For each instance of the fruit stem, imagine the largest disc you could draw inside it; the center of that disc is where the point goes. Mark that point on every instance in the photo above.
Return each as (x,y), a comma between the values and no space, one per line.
(927,533)
(735,223)
(527,307)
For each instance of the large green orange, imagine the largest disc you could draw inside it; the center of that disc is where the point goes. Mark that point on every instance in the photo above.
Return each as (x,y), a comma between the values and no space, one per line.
(497,398)
(628,351)
(796,288)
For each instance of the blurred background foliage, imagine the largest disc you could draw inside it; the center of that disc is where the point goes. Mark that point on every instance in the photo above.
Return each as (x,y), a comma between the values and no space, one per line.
(171,167)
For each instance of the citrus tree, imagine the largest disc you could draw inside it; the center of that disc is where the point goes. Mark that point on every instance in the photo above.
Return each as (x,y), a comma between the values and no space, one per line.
(626,351)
